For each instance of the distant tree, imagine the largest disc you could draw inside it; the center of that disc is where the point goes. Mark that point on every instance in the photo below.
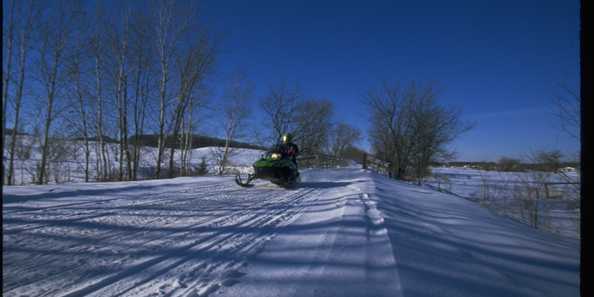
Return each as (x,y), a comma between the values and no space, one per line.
(433,127)
(549,161)
(567,105)
(202,167)
(280,106)
(343,138)
(409,129)
(313,126)
(235,112)
(508,164)
(353,153)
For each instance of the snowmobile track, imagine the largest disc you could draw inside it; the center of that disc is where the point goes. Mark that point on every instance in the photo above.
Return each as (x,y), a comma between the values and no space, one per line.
(204,245)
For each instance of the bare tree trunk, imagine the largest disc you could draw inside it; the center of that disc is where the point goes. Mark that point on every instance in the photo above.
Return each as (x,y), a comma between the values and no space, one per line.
(224,159)
(52,79)
(169,28)
(137,115)
(182,146)
(235,111)
(102,170)
(6,79)
(144,90)
(165,18)
(189,134)
(194,66)
(23,51)
(176,126)
(187,140)
(83,117)
(121,47)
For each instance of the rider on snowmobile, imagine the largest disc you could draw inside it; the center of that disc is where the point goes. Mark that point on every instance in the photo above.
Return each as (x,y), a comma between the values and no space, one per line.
(287,148)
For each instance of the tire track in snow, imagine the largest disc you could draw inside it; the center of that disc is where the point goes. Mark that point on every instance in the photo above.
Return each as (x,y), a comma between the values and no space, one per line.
(155,261)
(109,236)
(132,197)
(198,288)
(250,241)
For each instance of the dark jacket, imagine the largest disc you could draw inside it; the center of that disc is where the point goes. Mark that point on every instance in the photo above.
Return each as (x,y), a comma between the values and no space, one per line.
(288,150)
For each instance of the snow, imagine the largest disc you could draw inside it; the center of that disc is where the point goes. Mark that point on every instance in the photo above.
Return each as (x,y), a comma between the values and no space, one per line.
(70,167)
(506,193)
(342,232)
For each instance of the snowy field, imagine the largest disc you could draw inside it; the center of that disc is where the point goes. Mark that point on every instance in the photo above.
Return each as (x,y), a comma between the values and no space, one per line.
(70,165)
(520,195)
(342,232)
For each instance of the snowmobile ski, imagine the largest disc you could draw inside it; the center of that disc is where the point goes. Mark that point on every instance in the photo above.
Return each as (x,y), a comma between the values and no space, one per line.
(246,183)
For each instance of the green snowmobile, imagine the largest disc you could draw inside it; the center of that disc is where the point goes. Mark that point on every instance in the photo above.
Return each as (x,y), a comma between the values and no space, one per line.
(273,167)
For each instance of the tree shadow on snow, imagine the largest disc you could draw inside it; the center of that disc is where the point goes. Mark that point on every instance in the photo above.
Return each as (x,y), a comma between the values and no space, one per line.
(323,185)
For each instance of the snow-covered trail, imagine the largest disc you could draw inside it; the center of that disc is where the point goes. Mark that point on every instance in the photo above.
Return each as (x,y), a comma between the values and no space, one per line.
(343,232)
(174,238)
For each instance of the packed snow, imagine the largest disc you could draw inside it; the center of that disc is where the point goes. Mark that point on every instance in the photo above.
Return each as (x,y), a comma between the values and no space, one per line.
(341,232)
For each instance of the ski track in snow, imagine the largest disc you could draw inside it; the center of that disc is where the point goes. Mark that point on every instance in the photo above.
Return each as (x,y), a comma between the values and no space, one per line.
(147,239)
(342,232)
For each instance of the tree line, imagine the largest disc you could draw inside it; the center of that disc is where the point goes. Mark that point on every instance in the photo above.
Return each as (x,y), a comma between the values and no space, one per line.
(94,74)
(107,77)
(113,78)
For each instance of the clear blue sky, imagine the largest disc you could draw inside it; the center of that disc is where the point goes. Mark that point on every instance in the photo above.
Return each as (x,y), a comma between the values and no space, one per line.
(500,61)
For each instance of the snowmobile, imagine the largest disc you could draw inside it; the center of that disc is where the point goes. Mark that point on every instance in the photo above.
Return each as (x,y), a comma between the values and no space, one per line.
(273,167)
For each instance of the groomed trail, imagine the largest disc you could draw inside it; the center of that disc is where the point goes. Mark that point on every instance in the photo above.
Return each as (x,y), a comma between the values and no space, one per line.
(342,232)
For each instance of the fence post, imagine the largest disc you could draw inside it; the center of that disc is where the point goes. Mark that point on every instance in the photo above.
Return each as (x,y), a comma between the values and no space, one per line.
(546,186)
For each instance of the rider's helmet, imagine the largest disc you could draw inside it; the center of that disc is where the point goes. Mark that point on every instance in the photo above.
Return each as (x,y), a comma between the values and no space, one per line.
(286,138)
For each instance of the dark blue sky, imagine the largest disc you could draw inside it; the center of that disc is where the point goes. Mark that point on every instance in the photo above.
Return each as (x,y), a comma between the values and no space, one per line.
(500,61)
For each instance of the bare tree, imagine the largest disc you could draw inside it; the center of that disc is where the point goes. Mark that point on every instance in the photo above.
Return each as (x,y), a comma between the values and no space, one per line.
(81,99)
(7,73)
(193,67)
(165,38)
(312,126)
(235,111)
(434,126)
(25,31)
(142,82)
(279,106)
(97,50)
(410,129)
(389,128)
(55,36)
(568,110)
(508,164)
(344,136)
(119,45)
(187,128)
